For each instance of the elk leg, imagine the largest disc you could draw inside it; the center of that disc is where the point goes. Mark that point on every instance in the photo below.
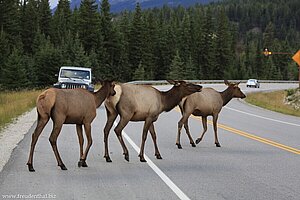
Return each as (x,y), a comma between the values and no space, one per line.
(187,130)
(215,119)
(111,117)
(35,135)
(53,139)
(81,141)
(180,124)
(118,130)
(204,123)
(87,128)
(144,137)
(153,134)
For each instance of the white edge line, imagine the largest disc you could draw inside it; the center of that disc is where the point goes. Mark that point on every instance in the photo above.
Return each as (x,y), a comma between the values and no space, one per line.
(164,177)
(263,117)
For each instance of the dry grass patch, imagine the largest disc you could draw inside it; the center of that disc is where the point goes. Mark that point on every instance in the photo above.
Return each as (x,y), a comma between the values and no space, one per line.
(272,101)
(13,104)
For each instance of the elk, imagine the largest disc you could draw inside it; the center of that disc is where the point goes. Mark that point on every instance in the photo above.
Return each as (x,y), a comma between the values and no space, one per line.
(205,103)
(142,103)
(68,106)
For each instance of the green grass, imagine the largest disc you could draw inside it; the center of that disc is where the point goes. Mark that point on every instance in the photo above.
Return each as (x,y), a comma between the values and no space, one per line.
(272,101)
(13,104)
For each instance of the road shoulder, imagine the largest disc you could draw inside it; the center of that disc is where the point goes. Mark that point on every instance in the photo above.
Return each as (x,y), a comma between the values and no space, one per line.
(13,134)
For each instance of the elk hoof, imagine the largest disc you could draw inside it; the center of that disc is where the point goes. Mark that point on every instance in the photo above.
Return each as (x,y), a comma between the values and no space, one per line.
(193,144)
(126,156)
(179,146)
(82,163)
(30,168)
(218,145)
(63,167)
(142,159)
(158,156)
(107,159)
(198,140)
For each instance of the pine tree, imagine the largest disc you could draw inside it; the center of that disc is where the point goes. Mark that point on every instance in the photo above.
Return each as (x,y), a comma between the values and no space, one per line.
(111,46)
(177,68)
(208,47)
(269,36)
(185,39)
(9,19)
(123,68)
(4,53)
(150,47)
(190,73)
(47,59)
(75,21)
(96,67)
(139,73)
(136,41)
(223,41)
(44,17)
(88,24)
(167,50)
(197,34)
(106,23)
(80,58)
(258,67)
(61,22)
(29,24)
(15,73)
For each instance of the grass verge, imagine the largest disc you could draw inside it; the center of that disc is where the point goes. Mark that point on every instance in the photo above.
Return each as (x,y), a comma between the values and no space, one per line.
(13,104)
(274,101)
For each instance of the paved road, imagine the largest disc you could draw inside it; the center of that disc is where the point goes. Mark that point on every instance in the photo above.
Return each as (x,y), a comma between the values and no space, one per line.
(259,159)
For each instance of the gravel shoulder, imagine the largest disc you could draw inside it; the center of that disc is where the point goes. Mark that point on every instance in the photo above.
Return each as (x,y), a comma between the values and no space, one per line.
(11,135)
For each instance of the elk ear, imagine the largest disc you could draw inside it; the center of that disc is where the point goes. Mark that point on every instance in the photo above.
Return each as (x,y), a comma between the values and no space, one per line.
(226,82)
(181,82)
(171,82)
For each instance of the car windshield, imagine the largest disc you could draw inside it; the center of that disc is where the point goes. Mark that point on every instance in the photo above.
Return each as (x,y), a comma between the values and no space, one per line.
(251,80)
(71,73)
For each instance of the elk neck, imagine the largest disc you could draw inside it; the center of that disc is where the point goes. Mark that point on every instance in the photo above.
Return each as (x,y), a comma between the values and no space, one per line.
(226,95)
(170,99)
(101,95)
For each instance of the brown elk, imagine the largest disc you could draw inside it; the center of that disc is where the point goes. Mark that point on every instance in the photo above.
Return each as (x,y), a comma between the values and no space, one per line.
(68,106)
(142,103)
(205,103)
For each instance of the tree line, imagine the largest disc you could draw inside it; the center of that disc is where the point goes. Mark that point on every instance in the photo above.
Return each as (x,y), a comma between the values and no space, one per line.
(221,40)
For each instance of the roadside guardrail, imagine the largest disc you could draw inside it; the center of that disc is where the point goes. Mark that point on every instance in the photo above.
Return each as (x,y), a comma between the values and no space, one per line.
(164,82)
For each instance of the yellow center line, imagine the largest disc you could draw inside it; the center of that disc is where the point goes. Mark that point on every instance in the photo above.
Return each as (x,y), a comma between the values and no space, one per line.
(250,136)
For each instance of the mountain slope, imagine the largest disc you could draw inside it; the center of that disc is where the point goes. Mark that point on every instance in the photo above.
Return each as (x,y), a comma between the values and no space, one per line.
(120,5)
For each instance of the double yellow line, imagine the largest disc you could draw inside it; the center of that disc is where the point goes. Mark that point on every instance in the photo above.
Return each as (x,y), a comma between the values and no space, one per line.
(251,136)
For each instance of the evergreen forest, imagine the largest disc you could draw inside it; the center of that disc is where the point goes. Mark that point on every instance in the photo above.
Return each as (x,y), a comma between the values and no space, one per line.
(221,40)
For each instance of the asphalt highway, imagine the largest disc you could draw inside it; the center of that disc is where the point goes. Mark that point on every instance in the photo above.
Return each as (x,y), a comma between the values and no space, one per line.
(259,159)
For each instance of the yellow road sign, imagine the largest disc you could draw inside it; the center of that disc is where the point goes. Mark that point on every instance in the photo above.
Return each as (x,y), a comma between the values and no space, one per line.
(296,57)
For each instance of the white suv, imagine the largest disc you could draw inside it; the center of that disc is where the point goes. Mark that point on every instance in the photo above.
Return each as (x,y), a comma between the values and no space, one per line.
(75,77)
(253,83)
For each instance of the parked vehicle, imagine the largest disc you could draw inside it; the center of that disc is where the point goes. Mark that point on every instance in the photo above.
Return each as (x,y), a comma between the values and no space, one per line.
(75,77)
(253,83)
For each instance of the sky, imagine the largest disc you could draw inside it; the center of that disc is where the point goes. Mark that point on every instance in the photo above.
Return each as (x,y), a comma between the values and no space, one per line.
(53,3)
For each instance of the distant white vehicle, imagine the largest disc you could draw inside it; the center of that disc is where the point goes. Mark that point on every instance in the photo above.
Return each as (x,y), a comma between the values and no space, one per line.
(75,77)
(253,83)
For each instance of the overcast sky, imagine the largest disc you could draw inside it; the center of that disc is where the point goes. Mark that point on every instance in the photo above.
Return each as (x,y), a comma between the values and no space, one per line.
(53,3)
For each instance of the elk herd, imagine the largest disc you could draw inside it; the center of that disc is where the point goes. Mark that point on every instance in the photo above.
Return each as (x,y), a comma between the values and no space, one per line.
(131,103)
